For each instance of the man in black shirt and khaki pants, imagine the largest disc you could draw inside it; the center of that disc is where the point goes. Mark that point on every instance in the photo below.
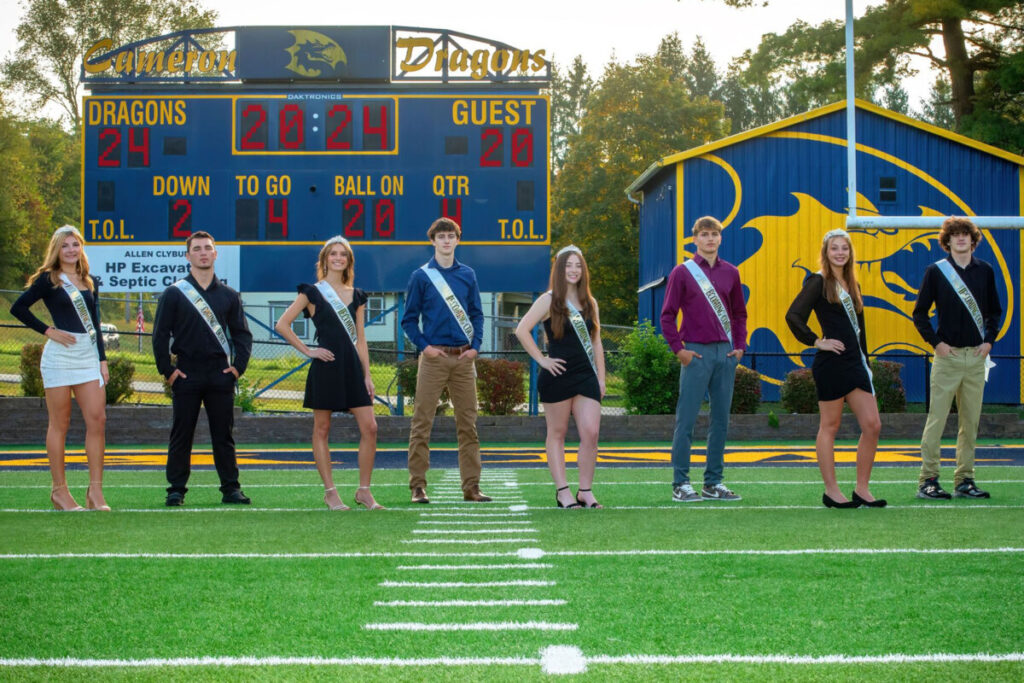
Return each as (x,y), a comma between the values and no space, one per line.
(196,312)
(963,290)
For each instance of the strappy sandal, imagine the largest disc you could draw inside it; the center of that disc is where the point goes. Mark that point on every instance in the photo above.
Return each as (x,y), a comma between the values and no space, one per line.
(595,504)
(373,504)
(58,506)
(339,506)
(559,503)
(89,501)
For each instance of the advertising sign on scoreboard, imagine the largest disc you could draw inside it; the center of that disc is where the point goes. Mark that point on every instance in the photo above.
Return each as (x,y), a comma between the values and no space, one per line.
(276,168)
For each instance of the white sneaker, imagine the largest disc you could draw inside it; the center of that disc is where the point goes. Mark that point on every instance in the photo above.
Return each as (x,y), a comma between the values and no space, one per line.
(718,492)
(684,494)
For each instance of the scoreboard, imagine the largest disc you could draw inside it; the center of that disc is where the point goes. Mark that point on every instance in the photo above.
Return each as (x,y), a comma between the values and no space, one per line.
(278,171)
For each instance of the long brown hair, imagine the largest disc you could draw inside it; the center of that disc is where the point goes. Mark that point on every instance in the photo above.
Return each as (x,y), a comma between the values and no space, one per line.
(51,264)
(849,273)
(347,275)
(558,311)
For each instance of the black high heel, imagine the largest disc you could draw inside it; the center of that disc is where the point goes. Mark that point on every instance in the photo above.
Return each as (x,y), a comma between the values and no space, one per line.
(876,503)
(565,507)
(829,503)
(582,504)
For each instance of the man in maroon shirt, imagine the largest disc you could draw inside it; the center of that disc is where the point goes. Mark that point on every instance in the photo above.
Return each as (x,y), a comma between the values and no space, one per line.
(706,290)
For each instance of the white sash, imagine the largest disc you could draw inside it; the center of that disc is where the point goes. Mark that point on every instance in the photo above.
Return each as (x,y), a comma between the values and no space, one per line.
(968,300)
(78,302)
(851,313)
(206,313)
(441,285)
(340,309)
(579,325)
(711,294)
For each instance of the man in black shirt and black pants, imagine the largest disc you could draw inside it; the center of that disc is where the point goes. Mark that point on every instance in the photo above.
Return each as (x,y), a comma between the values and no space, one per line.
(963,290)
(195,312)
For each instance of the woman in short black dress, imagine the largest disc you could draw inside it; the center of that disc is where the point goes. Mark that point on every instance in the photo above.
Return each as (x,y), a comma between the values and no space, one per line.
(339,375)
(840,369)
(72,361)
(569,382)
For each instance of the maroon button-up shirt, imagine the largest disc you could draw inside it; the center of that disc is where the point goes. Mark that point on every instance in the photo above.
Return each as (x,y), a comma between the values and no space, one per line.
(700,324)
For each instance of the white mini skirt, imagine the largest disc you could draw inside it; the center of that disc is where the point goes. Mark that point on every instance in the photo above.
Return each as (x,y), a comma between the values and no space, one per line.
(65,366)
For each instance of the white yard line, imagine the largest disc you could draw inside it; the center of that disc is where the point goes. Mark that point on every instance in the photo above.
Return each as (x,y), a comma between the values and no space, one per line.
(474,626)
(492,530)
(468,603)
(472,567)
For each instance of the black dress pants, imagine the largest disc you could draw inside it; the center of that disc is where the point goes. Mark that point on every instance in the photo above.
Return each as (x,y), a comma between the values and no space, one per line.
(216,390)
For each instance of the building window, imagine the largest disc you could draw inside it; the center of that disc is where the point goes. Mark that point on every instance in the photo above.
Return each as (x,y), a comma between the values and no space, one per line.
(301,324)
(374,308)
(887,190)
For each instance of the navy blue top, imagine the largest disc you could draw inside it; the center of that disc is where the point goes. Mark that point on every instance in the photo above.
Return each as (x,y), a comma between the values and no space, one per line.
(423,301)
(63,312)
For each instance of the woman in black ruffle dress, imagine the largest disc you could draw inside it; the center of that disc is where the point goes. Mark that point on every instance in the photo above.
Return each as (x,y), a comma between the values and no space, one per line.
(571,380)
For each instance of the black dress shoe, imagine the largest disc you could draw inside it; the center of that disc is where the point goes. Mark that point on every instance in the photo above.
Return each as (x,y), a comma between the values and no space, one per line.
(829,503)
(876,503)
(174,499)
(235,497)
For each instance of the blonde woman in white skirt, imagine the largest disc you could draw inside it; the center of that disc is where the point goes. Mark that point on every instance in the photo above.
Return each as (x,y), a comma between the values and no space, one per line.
(73,362)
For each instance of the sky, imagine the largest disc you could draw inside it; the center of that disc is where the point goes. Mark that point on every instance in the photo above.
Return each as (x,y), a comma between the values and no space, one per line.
(597,31)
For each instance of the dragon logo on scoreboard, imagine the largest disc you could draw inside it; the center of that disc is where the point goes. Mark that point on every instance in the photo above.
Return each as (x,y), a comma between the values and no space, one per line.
(314,52)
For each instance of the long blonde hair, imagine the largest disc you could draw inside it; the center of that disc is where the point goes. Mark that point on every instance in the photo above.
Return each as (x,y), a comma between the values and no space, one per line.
(558,311)
(347,275)
(51,264)
(849,273)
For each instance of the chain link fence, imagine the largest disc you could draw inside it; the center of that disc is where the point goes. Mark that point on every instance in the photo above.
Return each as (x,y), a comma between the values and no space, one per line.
(276,377)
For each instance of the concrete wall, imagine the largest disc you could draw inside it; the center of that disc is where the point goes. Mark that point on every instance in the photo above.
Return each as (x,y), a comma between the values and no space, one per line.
(23,421)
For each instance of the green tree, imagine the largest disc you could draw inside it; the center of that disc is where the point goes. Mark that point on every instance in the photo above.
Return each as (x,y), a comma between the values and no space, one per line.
(701,73)
(569,95)
(979,58)
(53,35)
(25,216)
(637,114)
(936,109)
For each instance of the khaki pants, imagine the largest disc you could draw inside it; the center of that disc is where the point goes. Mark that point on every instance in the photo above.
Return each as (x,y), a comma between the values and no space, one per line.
(433,376)
(960,375)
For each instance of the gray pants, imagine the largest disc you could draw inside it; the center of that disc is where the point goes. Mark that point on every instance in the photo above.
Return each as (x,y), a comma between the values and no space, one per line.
(712,374)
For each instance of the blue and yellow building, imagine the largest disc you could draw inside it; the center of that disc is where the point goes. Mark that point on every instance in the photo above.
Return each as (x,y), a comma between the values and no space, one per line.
(778,188)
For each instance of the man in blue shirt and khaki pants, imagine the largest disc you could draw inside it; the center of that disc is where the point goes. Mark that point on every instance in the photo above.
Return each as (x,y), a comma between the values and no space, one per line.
(444,296)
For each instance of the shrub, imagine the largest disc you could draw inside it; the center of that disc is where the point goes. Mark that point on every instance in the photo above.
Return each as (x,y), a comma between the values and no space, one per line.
(746,393)
(798,394)
(246,394)
(405,374)
(31,378)
(122,373)
(499,385)
(889,392)
(649,371)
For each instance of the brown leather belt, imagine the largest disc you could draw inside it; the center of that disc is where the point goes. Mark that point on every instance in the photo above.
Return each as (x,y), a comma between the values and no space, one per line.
(453,350)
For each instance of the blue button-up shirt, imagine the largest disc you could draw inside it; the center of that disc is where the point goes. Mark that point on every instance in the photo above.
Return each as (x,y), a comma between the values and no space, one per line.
(424,302)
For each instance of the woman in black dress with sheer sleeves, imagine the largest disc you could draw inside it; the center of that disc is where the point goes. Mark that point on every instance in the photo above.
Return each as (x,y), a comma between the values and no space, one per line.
(841,371)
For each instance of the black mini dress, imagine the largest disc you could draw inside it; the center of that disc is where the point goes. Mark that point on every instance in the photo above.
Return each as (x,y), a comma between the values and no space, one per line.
(835,374)
(337,385)
(578,379)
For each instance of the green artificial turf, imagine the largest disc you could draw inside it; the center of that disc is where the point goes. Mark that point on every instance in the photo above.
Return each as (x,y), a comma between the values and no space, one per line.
(643,577)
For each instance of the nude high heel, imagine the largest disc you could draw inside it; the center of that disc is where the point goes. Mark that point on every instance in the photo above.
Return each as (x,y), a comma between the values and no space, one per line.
(59,506)
(371,504)
(339,506)
(90,503)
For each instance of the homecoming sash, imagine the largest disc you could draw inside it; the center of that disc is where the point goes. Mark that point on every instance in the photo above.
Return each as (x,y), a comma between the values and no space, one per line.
(968,300)
(340,309)
(851,313)
(441,285)
(78,301)
(580,326)
(711,294)
(206,313)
